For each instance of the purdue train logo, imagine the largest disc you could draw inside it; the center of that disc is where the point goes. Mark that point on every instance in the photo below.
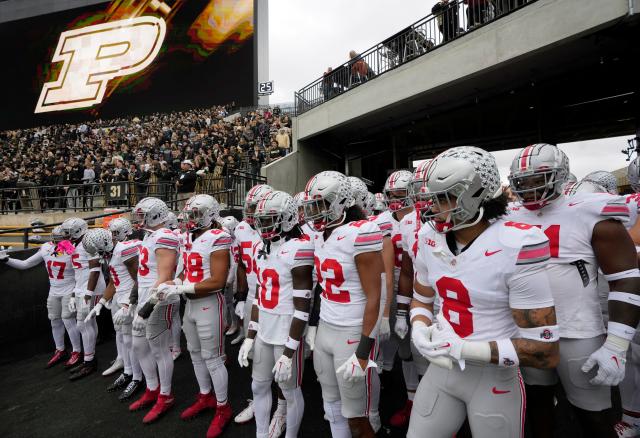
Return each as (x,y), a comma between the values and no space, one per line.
(94,55)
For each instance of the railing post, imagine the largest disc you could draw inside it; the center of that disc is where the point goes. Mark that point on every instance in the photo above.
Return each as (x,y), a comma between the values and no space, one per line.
(25,238)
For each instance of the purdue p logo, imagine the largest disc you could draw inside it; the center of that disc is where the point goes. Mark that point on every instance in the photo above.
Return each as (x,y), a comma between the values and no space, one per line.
(94,55)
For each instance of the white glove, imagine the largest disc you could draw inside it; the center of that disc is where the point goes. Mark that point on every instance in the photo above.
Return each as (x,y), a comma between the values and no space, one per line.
(352,371)
(96,310)
(85,303)
(243,354)
(72,304)
(611,359)
(167,290)
(240,309)
(122,316)
(421,338)
(401,328)
(310,337)
(385,329)
(139,324)
(282,370)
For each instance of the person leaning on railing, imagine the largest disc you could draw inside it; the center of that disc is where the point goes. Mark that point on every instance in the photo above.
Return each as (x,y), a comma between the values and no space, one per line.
(446,13)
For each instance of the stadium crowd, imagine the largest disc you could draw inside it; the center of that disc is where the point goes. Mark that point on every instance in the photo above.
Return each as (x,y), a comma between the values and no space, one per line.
(153,148)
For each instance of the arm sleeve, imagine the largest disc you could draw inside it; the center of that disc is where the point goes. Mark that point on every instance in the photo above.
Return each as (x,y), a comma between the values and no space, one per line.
(26,264)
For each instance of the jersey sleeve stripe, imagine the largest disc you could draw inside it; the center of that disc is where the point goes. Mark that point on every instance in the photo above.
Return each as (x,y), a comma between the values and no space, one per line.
(304,254)
(168,242)
(371,239)
(129,251)
(615,210)
(385,225)
(223,241)
(534,253)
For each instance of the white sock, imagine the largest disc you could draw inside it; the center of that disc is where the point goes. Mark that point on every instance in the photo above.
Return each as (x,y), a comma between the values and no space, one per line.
(202,373)
(219,377)
(295,410)
(125,353)
(57,329)
(339,425)
(74,334)
(261,406)
(147,362)
(89,337)
(162,354)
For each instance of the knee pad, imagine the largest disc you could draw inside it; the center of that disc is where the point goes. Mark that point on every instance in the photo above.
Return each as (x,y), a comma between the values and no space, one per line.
(333,410)
(260,387)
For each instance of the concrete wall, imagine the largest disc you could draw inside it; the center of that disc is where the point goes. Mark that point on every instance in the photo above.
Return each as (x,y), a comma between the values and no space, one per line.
(25,219)
(534,27)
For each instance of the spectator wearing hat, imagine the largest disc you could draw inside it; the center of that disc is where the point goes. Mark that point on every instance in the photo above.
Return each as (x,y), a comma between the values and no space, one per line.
(186,183)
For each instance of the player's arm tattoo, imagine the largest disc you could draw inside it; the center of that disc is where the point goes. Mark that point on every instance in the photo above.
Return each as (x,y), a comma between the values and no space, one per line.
(532,353)
(302,280)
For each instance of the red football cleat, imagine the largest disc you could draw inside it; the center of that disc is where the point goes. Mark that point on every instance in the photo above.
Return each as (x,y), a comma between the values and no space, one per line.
(401,418)
(163,404)
(220,421)
(57,357)
(73,360)
(148,398)
(203,402)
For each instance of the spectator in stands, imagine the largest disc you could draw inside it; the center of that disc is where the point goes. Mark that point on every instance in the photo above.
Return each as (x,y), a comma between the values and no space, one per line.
(327,84)
(360,71)
(478,12)
(284,142)
(446,12)
(186,183)
(256,160)
(88,179)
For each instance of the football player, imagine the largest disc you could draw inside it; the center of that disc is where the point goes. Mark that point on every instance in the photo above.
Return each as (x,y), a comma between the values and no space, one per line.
(206,259)
(229,224)
(586,231)
(280,311)
(57,261)
(151,326)
(349,266)
(176,350)
(87,292)
(496,308)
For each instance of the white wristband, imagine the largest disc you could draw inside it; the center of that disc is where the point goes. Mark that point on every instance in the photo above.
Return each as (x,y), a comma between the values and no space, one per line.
(477,351)
(299,314)
(422,312)
(625,297)
(292,344)
(177,281)
(548,333)
(188,288)
(623,331)
(302,293)
(507,356)
(422,298)
(630,273)
(253,326)
(102,301)
(401,299)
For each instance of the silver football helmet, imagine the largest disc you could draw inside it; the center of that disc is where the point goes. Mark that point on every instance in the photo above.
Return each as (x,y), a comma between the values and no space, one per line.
(57,234)
(120,228)
(251,201)
(370,203)
(604,179)
(201,211)
(633,173)
(458,182)
(74,228)
(229,223)
(571,178)
(149,213)
(327,195)
(98,242)
(358,191)
(396,190)
(275,214)
(172,221)
(298,198)
(538,173)
(584,186)
(418,189)
(380,203)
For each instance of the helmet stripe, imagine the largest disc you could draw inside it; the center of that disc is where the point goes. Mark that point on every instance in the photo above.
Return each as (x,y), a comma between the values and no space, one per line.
(525,158)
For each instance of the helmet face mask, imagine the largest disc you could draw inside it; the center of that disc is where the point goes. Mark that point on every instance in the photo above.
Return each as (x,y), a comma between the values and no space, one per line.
(120,229)
(398,199)
(149,213)
(317,212)
(396,190)
(275,214)
(445,210)
(534,190)
(268,226)
(326,197)
(251,201)
(58,235)
(74,228)
(200,211)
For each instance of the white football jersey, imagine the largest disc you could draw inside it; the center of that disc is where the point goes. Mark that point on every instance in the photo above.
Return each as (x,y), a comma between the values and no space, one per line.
(391,227)
(275,286)
(479,287)
(409,228)
(59,269)
(80,261)
(162,238)
(568,222)
(343,299)
(196,254)
(246,241)
(232,279)
(120,276)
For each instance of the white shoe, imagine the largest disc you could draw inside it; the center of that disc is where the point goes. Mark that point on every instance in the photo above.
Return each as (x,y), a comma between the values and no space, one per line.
(278,425)
(232,329)
(116,366)
(626,430)
(246,415)
(176,354)
(238,338)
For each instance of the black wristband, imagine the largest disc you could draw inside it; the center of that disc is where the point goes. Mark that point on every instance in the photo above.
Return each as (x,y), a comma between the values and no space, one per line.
(146,310)
(364,347)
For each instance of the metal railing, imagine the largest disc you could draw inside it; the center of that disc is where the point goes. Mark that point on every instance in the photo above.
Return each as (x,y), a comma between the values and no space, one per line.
(229,189)
(447,22)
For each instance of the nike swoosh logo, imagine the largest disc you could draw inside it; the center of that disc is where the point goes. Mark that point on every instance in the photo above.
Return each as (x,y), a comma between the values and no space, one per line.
(447,345)
(341,237)
(350,342)
(284,252)
(615,359)
(442,178)
(571,204)
(497,391)
(206,308)
(490,253)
